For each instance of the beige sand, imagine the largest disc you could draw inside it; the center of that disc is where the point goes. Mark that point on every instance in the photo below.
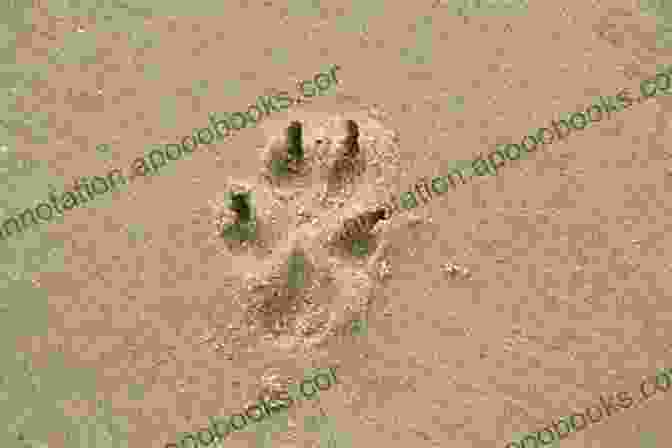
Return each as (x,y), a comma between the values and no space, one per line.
(491,311)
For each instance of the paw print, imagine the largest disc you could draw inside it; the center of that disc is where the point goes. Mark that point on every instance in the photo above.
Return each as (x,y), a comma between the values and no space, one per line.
(315,209)
(236,217)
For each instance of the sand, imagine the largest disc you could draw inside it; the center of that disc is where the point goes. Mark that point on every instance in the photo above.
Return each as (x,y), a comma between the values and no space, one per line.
(490,311)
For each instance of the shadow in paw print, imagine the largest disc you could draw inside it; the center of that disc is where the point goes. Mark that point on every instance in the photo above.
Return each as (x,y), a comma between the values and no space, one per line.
(347,160)
(242,221)
(355,237)
(285,159)
(237,221)
(294,138)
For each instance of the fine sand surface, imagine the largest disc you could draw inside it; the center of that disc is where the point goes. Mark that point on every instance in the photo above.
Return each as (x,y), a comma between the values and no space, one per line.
(144,323)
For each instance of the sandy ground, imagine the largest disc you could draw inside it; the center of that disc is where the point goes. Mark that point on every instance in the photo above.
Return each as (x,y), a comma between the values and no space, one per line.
(143,323)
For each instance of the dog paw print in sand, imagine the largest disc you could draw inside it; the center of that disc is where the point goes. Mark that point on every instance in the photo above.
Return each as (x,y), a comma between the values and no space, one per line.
(310,226)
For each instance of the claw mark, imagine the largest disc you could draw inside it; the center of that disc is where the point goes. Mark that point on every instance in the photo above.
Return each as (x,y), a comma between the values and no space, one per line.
(296,271)
(240,205)
(295,141)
